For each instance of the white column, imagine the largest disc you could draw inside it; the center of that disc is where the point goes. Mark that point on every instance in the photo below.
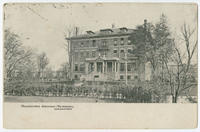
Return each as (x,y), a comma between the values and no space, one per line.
(95,66)
(103,66)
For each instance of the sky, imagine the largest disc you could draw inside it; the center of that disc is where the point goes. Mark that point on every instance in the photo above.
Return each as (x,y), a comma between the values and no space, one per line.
(42,26)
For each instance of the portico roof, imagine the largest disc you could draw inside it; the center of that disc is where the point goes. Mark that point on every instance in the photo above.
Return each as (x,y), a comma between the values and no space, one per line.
(100,58)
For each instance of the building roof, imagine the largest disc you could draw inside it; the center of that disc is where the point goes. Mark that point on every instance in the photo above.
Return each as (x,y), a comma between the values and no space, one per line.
(104,33)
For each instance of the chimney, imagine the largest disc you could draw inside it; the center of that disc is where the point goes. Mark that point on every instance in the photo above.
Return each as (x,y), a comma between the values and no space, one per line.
(113,25)
(145,24)
(76,31)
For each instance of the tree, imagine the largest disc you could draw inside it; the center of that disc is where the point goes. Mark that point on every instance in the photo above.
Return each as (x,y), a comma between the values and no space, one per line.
(70,32)
(179,73)
(65,69)
(16,57)
(154,42)
(42,61)
(151,41)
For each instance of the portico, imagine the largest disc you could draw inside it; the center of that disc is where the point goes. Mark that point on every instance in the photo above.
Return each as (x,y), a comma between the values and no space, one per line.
(102,68)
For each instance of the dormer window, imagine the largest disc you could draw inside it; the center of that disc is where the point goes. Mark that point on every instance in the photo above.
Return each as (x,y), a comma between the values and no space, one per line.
(123,29)
(89,32)
(106,31)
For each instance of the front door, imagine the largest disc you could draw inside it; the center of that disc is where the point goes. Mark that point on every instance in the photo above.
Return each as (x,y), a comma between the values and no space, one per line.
(100,67)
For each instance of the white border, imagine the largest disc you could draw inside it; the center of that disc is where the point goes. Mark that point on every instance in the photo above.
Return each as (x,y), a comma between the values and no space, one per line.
(53,1)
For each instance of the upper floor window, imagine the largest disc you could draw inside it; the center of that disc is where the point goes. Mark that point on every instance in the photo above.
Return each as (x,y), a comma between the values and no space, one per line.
(114,51)
(76,67)
(129,42)
(122,41)
(115,42)
(121,77)
(82,54)
(104,43)
(82,44)
(87,54)
(93,53)
(76,55)
(129,51)
(128,67)
(122,67)
(93,43)
(122,51)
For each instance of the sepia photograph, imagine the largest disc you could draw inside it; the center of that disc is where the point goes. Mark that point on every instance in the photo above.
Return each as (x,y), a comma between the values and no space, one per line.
(51,54)
(100,54)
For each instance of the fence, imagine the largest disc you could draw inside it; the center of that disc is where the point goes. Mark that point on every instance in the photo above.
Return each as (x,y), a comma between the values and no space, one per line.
(67,89)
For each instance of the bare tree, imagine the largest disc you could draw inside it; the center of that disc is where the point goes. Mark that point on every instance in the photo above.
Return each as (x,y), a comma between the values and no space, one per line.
(179,72)
(70,32)
(42,61)
(65,69)
(15,55)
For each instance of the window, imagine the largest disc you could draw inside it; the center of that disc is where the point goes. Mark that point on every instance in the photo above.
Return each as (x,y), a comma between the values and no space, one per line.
(76,67)
(129,77)
(134,66)
(128,67)
(96,76)
(115,42)
(93,43)
(76,55)
(104,43)
(122,67)
(99,67)
(82,67)
(76,76)
(129,42)
(82,54)
(114,51)
(122,41)
(129,51)
(122,51)
(91,67)
(121,77)
(87,54)
(93,53)
(136,77)
(82,44)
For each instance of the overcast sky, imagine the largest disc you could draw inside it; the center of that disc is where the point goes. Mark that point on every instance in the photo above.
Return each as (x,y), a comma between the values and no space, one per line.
(42,26)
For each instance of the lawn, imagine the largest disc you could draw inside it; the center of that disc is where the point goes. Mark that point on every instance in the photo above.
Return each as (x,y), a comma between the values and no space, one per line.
(21,99)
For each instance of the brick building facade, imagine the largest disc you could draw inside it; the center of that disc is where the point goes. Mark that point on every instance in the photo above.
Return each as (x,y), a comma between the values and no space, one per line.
(105,55)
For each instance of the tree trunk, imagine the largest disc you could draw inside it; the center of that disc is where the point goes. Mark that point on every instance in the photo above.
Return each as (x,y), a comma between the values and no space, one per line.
(174,99)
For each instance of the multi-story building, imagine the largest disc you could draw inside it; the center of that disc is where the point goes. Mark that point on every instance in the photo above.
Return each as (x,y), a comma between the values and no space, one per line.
(105,55)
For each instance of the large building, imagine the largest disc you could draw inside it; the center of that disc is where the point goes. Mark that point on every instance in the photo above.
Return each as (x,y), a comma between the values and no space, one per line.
(105,55)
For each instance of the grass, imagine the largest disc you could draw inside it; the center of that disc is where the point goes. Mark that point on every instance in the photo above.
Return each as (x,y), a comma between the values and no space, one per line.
(22,99)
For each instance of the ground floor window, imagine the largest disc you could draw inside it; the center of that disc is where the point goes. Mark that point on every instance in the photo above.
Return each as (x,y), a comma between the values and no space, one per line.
(129,77)
(76,76)
(82,67)
(99,67)
(121,77)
